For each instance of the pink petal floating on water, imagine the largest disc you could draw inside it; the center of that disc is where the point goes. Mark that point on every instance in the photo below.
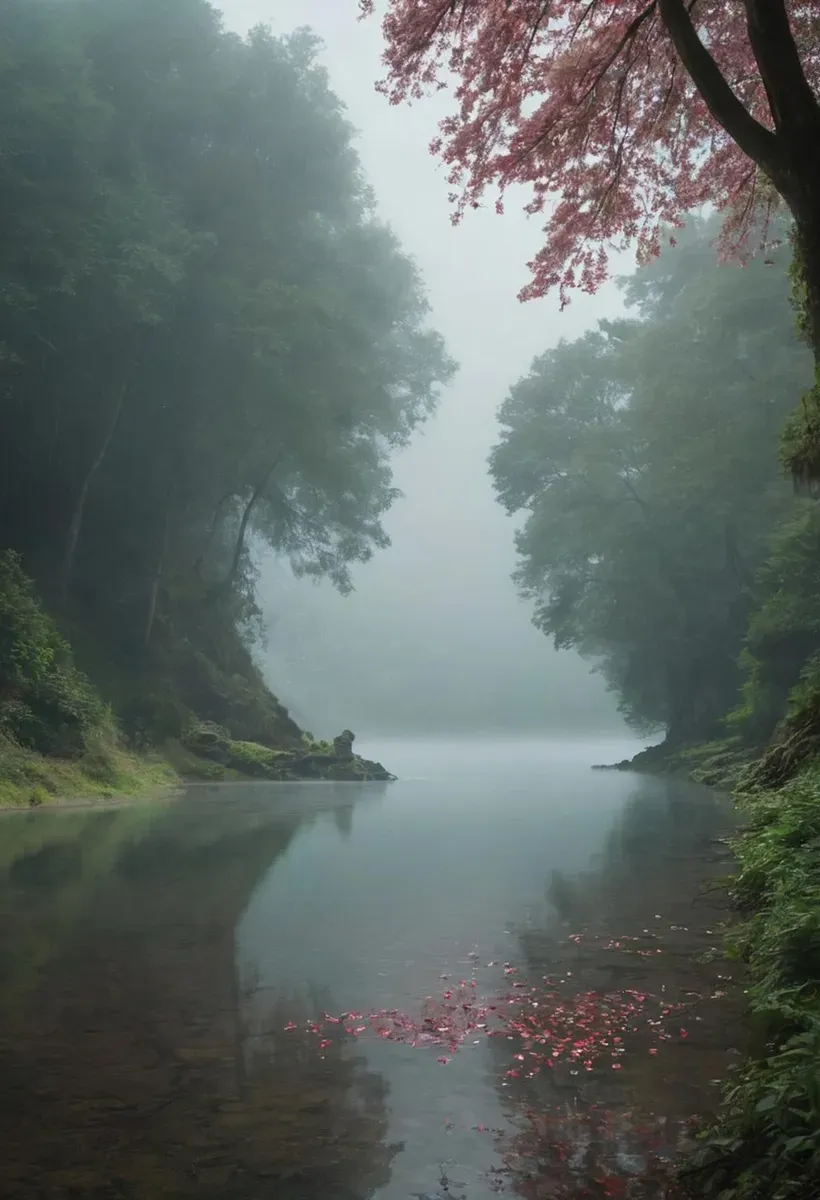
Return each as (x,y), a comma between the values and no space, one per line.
(442,1059)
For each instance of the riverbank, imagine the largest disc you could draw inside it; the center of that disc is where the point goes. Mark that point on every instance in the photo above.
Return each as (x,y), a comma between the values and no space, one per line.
(32,780)
(720,763)
(82,717)
(766,1142)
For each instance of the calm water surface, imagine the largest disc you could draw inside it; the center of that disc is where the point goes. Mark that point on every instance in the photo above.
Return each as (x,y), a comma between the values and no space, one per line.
(482,979)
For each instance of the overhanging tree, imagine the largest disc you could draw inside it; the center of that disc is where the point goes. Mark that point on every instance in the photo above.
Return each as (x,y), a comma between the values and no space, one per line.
(621,116)
(641,454)
(207,332)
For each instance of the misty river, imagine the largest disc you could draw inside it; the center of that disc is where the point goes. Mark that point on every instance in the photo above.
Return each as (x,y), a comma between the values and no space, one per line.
(489,977)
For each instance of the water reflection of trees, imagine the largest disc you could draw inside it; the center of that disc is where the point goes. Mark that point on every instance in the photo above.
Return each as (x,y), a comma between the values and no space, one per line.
(602,1134)
(127,1071)
(666,829)
(321,1113)
(51,868)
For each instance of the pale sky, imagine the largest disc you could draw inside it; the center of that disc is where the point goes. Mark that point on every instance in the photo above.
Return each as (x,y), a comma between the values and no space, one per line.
(445,580)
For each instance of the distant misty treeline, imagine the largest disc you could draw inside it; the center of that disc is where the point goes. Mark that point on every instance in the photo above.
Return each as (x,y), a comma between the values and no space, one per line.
(206,333)
(661,536)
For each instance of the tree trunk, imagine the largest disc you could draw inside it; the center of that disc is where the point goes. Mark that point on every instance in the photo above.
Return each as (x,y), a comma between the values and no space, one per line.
(55,431)
(754,139)
(680,728)
(75,527)
(218,511)
(787,154)
(735,564)
(156,580)
(239,545)
(806,212)
(801,443)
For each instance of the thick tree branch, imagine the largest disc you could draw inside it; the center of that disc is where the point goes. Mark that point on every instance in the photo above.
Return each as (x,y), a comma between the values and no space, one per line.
(628,35)
(239,545)
(792,102)
(753,138)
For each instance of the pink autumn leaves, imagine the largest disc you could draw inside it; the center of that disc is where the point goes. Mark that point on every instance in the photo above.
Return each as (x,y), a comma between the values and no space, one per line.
(548,1024)
(588,106)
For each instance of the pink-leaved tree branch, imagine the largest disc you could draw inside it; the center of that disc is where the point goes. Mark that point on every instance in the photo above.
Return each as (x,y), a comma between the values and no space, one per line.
(620,117)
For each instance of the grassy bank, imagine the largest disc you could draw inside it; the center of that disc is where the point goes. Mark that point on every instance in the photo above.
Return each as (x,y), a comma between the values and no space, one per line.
(766,1144)
(719,764)
(192,707)
(29,779)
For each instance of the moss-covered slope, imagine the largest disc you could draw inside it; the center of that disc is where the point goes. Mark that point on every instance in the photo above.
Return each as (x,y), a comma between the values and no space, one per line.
(193,708)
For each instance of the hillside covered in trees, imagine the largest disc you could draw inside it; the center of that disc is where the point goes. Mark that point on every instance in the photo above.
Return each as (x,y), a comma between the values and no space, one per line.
(207,334)
(662,536)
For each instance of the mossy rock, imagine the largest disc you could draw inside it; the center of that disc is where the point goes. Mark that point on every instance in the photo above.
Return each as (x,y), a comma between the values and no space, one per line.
(211,742)
(313,766)
(259,761)
(360,770)
(208,740)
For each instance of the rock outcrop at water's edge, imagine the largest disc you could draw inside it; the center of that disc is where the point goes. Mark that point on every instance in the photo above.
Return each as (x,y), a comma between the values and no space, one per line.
(311,760)
(91,719)
(720,764)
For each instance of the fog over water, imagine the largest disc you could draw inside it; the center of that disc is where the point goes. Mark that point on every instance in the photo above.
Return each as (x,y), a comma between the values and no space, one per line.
(434,637)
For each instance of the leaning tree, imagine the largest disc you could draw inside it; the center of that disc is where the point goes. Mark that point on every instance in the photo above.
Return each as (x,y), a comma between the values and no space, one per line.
(621,116)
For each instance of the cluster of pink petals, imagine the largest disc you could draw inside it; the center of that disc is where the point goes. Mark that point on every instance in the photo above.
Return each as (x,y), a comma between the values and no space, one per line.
(547,1024)
(588,107)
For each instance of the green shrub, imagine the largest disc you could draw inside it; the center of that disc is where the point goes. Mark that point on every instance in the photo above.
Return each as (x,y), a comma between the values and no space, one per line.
(766,1143)
(46,704)
(315,745)
(784,627)
(253,759)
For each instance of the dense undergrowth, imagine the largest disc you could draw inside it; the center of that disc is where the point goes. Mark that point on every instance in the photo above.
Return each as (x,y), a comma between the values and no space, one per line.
(57,736)
(766,1142)
(195,709)
(211,348)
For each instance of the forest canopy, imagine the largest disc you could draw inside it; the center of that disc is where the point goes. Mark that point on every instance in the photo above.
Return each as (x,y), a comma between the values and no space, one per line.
(644,457)
(207,332)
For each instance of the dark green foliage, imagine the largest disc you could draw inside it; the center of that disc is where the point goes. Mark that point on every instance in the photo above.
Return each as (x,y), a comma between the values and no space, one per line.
(208,338)
(644,455)
(46,704)
(800,443)
(766,1145)
(780,697)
